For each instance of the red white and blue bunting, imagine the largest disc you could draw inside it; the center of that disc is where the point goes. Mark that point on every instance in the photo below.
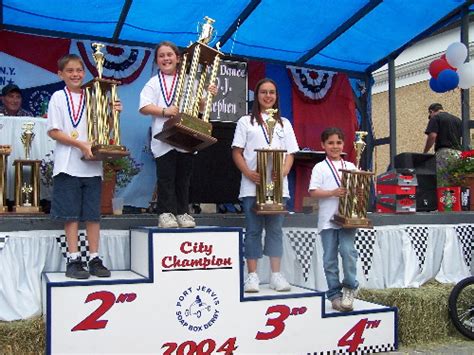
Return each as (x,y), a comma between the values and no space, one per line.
(121,63)
(312,84)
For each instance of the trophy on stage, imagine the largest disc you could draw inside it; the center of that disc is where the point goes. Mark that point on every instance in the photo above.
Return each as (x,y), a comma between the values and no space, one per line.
(270,169)
(27,194)
(187,130)
(27,138)
(353,206)
(5,151)
(103,129)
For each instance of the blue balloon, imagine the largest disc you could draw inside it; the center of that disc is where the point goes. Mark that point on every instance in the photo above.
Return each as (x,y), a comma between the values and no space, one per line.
(434,85)
(448,79)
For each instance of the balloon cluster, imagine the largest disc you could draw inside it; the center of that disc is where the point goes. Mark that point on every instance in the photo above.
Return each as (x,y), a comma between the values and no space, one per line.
(450,71)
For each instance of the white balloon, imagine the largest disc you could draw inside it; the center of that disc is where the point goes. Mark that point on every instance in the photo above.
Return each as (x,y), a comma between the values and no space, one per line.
(466,75)
(456,54)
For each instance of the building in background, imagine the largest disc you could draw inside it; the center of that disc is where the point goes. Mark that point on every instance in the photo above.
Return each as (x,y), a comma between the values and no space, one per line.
(413,95)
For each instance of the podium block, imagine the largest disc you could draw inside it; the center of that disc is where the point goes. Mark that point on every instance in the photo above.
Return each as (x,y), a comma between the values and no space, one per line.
(183,294)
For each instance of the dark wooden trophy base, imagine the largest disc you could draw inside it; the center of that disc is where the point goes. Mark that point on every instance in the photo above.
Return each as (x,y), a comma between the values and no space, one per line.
(108,152)
(347,222)
(270,208)
(187,132)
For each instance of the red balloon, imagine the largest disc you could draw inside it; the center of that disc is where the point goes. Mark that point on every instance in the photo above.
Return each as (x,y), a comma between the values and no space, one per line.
(443,57)
(438,66)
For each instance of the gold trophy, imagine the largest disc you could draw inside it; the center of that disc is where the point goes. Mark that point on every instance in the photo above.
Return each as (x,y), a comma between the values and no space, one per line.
(5,151)
(26,190)
(103,123)
(187,130)
(353,206)
(270,168)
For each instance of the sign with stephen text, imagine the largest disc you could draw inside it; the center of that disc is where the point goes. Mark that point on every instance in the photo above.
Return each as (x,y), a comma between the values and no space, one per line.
(231,101)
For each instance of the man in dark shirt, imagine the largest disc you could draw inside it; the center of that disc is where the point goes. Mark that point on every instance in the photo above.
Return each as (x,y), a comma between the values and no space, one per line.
(11,99)
(444,130)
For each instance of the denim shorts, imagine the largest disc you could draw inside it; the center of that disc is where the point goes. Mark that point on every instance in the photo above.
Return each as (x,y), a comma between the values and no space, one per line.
(76,198)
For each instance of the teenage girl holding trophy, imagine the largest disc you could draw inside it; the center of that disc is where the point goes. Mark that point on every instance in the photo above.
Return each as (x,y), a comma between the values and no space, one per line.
(252,133)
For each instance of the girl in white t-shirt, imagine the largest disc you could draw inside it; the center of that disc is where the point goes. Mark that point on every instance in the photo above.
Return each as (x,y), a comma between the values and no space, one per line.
(250,134)
(173,165)
(325,184)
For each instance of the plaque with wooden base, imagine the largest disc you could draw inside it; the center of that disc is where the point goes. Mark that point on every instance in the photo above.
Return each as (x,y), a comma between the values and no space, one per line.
(187,132)
(27,209)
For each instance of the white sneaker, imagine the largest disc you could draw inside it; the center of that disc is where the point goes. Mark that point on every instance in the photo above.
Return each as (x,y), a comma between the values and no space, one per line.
(251,283)
(167,220)
(279,283)
(348,296)
(185,221)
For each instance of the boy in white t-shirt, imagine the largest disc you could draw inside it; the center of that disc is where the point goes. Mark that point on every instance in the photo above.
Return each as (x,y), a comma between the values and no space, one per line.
(325,184)
(76,181)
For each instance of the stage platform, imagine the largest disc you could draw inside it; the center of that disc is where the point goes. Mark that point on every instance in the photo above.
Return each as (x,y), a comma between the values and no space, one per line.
(26,222)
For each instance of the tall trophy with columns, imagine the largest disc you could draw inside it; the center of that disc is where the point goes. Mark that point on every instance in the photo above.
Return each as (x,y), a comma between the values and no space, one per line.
(103,123)
(189,129)
(5,151)
(353,206)
(27,175)
(270,169)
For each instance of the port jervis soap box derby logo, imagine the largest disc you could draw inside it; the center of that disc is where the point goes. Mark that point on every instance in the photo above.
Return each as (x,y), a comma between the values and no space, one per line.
(197,308)
(195,255)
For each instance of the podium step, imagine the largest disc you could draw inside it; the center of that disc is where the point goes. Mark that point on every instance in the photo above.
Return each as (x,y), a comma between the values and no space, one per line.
(184,295)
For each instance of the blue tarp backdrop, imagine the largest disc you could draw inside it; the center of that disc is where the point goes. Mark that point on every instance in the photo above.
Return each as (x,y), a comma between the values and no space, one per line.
(346,35)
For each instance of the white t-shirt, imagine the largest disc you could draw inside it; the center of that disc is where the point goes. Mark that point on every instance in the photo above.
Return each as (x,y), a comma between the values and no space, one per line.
(67,159)
(152,94)
(323,178)
(250,137)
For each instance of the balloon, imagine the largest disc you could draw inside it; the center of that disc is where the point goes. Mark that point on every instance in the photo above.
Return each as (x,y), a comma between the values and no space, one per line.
(456,54)
(436,66)
(466,75)
(448,80)
(434,85)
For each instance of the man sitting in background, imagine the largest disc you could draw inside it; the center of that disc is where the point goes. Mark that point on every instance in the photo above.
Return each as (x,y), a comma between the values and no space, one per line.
(11,99)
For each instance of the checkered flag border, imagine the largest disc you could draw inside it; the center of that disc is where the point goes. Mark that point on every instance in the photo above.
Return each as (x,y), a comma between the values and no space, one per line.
(82,244)
(369,349)
(419,241)
(303,243)
(465,234)
(3,241)
(364,243)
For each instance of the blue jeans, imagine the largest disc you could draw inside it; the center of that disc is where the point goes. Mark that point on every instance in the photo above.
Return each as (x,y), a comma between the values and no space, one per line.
(341,240)
(76,198)
(253,232)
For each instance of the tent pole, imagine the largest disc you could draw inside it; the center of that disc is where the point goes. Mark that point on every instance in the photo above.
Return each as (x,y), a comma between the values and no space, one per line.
(392,111)
(465,109)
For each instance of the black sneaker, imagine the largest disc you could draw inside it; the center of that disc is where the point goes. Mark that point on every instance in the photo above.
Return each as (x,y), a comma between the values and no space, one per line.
(75,270)
(98,269)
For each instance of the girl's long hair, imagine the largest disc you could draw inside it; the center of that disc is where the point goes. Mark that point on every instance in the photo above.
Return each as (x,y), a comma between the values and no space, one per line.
(256,110)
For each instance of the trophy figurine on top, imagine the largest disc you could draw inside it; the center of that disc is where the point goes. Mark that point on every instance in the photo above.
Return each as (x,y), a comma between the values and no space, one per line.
(270,169)
(187,130)
(103,129)
(353,206)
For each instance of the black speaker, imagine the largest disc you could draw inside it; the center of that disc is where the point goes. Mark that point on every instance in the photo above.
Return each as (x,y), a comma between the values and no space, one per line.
(424,166)
(215,177)
(424,163)
(426,193)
